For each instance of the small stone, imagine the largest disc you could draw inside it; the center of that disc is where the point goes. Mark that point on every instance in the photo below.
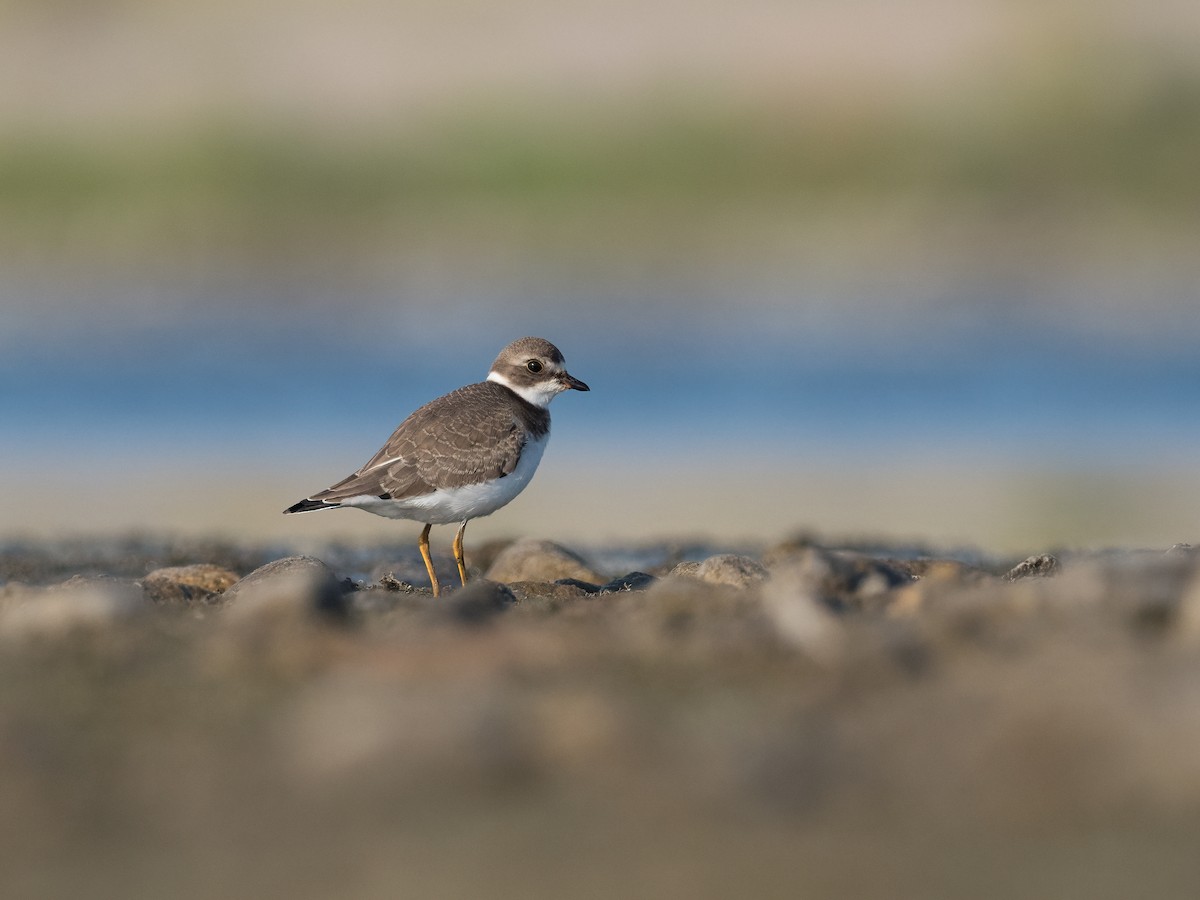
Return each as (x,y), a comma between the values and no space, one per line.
(292,587)
(634,581)
(194,585)
(686,569)
(732,570)
(586,586)
(483,554)
(81,603)
(479,601)
(945,571)
(550,596)
(928,578)
(413,572)
(1034,567)
(532,560)
(794,601)
(390,582)
(708,617)
(847,580)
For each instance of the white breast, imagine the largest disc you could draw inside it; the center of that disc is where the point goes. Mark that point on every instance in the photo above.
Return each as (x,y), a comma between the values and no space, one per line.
(447,505)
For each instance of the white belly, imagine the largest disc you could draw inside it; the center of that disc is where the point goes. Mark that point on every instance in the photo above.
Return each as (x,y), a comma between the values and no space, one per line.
(447,505)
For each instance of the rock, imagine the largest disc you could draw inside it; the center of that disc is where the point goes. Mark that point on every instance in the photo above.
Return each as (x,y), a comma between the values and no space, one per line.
(390,582)
(845,580)
(586,586)
(550,596)
(730,569)
(81,603)
(634,581)
(686,569)
(1148,590)
(290,588)
(478,601)
(482,554)
(1035,566)
(708,618)
(200,584)
(531,560)
(795,600)
(942,570)
(1139,590)
(387,597)
(413,573)
(932,578)
(567,589)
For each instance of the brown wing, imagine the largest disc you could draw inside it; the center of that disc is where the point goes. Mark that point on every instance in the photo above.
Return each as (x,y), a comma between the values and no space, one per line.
(466,437)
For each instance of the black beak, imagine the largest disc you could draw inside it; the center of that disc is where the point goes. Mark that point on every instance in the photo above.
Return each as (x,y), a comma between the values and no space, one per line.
(573,383)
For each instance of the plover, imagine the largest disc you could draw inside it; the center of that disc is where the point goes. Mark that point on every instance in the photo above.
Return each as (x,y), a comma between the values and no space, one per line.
(463,455)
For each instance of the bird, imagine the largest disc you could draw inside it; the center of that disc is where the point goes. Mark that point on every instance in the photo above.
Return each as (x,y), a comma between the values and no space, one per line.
(463,455)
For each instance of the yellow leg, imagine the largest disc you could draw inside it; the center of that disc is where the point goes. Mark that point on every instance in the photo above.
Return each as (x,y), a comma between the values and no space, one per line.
(458,553)
(423,543)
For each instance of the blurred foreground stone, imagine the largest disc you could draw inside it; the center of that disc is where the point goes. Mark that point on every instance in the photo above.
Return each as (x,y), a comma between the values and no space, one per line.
(725,568)
(81,603)
(296,587)
(540,561)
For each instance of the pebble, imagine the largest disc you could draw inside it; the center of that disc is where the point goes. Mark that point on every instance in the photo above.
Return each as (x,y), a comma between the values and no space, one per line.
(709,619)
(686,569)
(1035,566)
(413,573)
(845,580)
(729,569)
(795,601)
(586,586)
(532,560)
(634,581)
(478,601)
(551,595)
(81,603)
(295,587)
(186,586)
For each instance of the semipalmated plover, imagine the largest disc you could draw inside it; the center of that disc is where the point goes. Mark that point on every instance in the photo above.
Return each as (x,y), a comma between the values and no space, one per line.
(463,455)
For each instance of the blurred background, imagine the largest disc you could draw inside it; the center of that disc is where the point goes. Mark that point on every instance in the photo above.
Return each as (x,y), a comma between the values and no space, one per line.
(922,270)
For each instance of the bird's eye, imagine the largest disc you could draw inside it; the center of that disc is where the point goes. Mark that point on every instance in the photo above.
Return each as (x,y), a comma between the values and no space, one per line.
(533,366)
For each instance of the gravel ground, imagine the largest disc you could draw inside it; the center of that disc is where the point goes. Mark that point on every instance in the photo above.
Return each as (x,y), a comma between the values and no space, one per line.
(208,719)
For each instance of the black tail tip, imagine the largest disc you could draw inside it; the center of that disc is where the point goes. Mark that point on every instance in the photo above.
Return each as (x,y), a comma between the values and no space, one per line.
(308,506)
